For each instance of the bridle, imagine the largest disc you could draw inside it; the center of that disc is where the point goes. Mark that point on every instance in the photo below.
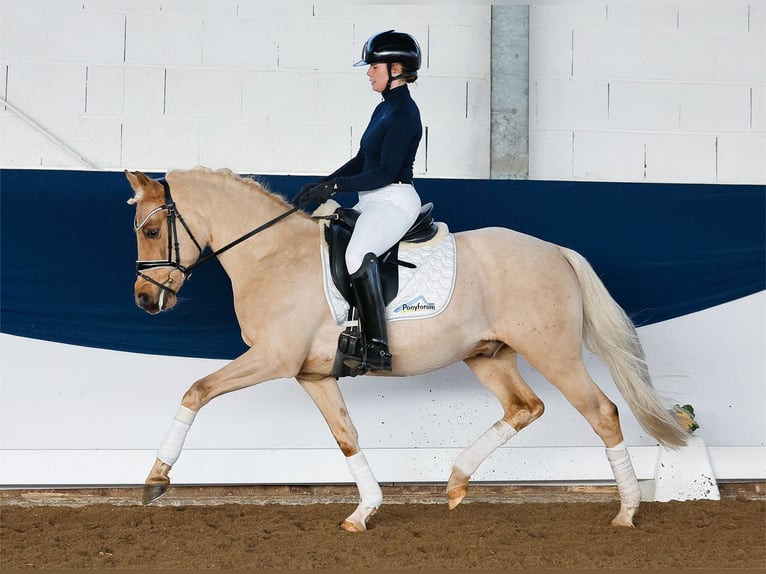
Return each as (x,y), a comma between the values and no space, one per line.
(174,250)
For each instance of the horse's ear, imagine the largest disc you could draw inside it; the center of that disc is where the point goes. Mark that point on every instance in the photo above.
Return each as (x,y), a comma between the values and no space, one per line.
(140,183)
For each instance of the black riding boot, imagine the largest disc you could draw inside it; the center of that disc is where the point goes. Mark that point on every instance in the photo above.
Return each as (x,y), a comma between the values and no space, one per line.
(372,315)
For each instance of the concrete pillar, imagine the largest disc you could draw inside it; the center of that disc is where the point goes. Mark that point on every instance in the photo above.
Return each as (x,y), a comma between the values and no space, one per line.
(509,140)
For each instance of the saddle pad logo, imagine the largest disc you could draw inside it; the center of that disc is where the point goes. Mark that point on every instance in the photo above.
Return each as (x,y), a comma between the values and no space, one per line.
(418,305)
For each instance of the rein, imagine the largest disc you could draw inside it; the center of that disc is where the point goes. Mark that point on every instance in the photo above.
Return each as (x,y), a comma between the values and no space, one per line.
(174,247)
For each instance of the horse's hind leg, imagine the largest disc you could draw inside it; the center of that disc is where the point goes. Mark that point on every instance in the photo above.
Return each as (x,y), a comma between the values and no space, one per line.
(326,395)
(579,389)
(521,406)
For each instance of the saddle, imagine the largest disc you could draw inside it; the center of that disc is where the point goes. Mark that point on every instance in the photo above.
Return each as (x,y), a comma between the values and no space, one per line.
(338,234)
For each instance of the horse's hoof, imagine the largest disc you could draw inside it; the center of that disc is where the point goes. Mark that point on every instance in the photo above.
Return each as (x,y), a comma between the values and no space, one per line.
(153,491)
(452,502)
(624,518)
(350,526)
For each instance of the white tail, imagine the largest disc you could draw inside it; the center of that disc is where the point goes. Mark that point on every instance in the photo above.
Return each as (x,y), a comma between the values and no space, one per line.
(610,334)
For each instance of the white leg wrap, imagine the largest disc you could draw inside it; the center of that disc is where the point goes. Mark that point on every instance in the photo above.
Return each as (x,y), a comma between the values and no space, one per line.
(494,437)
(171,446)
(627,483)
(369,490)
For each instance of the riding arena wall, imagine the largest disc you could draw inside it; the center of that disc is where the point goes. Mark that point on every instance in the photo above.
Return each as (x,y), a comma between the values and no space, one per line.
(647,138)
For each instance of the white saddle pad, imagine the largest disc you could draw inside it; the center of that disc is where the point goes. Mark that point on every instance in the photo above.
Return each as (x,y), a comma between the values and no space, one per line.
(424,291)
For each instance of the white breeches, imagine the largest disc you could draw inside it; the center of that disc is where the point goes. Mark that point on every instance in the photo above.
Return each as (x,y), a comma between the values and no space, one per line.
(386,215)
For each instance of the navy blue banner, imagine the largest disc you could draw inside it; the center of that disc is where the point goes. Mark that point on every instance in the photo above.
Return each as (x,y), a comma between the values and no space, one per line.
(67,252)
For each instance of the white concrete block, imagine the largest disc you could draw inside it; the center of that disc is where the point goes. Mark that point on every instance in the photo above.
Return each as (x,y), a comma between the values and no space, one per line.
(742,158)
(715,107)
(303,45)
(550,53)
(643,54)
(442,98)
(61,36)
(242,43)
(644,105)
(307,96)
(121,6)
(459,50)
(144,91)
(97,139)
(163,40)
(569,104)
(644,15)
(105,89)
(714,18)
(458,150)
(550,154)
(275,11)
(757,18)
(608,156)
(24,146)
(200,7)
(160,144)
(203,93)
(740,58)
(569,16)
(44,89)
(680,158)
(396,16)
(3,77)
(758,108)
(262,147)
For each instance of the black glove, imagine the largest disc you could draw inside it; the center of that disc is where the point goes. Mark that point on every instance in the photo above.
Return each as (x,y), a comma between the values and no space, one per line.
(316,192)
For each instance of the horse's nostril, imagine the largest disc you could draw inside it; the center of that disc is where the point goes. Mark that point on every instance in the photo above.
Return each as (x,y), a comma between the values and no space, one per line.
(143,300)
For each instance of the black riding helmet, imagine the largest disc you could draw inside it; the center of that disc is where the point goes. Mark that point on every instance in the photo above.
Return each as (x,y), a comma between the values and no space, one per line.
(389,47)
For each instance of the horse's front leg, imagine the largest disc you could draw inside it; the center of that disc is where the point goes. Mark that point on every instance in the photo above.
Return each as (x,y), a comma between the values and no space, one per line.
(247,370)
(326,394)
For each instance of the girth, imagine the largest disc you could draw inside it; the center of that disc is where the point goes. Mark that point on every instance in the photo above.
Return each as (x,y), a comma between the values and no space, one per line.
(338,234)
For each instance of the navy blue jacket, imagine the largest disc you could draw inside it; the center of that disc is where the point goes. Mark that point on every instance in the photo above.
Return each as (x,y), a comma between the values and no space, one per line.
(388,146)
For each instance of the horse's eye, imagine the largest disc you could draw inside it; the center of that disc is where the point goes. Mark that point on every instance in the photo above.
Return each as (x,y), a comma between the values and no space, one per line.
(151,233)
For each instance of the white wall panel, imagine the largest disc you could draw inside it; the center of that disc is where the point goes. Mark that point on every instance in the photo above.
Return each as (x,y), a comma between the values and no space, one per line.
(99,415)
(568,104)
(105,90)
(758,109)
(717,108)
(714,17)
(644,106)
(159,144)
(144,91)
(741,158)
(240,43)
(683,158)
(163,39)
(203,93)
(61,36)
(44,90)
(279,64)
(551,153)
(642,15)
(608,156)
(678,74)
(740,58)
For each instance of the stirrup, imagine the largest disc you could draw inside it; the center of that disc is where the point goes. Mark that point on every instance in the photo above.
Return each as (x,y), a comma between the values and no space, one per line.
(376,358)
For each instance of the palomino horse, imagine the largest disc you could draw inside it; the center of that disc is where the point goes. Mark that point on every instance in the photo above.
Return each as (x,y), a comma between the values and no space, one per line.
(513,295)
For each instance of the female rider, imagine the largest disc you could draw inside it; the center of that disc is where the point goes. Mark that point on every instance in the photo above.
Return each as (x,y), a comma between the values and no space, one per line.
(381,173)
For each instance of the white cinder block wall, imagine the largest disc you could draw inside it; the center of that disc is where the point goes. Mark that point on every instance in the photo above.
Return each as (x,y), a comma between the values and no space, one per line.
(648,91)
(255,86)
(625,91)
